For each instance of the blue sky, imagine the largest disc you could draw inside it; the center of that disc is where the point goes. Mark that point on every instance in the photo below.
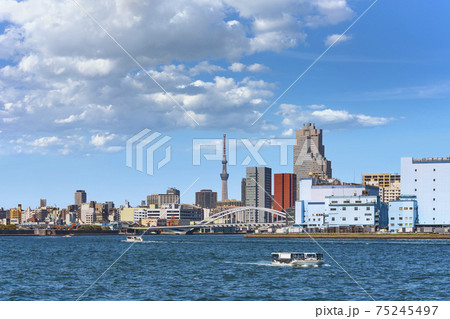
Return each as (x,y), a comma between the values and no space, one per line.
(70,97)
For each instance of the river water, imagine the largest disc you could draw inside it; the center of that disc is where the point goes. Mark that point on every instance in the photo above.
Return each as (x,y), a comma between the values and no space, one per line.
(221,267)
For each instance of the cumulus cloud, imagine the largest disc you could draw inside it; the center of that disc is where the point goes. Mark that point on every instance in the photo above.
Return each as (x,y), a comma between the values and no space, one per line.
(240,67)
(295,115)
(338,38)
(63,77)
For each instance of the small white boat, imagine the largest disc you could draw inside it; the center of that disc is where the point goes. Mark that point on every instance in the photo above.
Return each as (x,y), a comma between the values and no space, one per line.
(67,236)
(134,239)
(298,259)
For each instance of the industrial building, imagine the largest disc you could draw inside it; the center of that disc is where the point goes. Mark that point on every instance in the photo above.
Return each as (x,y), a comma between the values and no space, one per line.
(427,179)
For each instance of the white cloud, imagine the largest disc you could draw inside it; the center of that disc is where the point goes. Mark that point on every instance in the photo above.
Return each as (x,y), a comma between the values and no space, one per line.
(257,68)
(338,38)
(288,133)
(237,67)
(240,67)
(100,140)
(294,115)
(62,69)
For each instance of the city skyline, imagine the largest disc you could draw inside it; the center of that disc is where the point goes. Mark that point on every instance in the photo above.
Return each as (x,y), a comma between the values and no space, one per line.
(381,90)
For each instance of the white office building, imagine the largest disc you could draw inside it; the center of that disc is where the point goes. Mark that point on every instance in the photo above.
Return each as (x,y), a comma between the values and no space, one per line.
(87,214)
(175,211)
(403,215)
(344,211)
(329,205)
(428,180)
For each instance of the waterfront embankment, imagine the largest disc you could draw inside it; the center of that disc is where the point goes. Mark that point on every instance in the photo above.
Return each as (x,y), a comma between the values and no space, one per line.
(352,236)
(53,232)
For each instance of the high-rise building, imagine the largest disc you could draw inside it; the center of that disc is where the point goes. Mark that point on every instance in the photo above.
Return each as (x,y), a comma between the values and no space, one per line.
(243,186)
(285,191)
(173,191)
(206,198)
(43,203)
(389,184)
(258,192)
(309,154)
(172,196)
(428,180)
(80,198)
(224,176)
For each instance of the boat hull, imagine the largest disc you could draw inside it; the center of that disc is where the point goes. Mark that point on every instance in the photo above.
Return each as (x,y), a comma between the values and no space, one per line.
(301,263)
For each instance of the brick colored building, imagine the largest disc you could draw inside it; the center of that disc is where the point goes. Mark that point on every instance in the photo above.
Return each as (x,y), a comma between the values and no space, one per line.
(285,190)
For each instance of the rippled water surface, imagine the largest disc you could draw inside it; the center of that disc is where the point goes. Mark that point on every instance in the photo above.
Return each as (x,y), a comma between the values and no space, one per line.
(220,267)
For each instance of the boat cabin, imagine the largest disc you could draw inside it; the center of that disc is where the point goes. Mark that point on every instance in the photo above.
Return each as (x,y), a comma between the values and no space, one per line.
(290,257)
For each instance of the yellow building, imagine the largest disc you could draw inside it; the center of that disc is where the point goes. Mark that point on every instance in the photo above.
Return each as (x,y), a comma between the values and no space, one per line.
(127,214)
(149,222)
(15,215)
(389,185)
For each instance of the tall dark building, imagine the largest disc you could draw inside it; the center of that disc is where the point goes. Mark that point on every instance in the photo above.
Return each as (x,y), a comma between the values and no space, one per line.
(309,154)
(206,198)
(224,176)
(258,192)
(285,191)
(243,186)
(43,203)
(80,198)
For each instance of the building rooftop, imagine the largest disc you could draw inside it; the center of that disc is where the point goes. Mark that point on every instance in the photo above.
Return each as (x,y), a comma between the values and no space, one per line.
(431,159)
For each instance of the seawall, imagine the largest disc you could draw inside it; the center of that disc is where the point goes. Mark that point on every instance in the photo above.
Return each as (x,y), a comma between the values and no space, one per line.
(352,236)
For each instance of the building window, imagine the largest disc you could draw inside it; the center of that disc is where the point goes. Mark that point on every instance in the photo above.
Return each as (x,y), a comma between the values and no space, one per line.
(332,219)
(367,208)
(434,170)
(344,208)
(415,180)
(400,218)
(344,219)
(434,199)
(333,209)
(415,170)
(434,209)
(356,218)
(415,190)
(434,189)
(392,218)
(356,208)
(392,225)
(368,219)
(434,179)
(400,208)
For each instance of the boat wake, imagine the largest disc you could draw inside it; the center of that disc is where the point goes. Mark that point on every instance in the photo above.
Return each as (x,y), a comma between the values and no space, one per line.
(145,241)
(269,264)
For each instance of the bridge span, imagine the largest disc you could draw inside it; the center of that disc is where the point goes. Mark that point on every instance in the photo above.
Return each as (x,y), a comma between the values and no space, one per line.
(247,216)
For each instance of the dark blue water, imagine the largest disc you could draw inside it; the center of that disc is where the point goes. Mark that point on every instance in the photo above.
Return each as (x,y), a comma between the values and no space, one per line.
(220,267)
